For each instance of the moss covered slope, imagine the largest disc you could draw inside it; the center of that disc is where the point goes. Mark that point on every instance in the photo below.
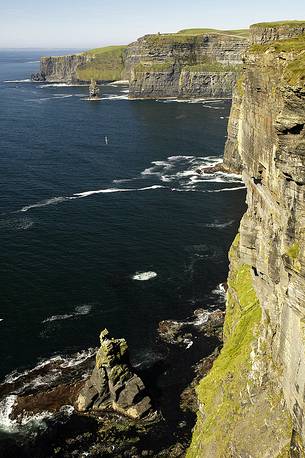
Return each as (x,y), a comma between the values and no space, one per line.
(234,404)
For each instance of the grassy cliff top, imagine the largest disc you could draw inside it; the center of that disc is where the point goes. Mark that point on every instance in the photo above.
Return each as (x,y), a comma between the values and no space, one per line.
(193,36)
(242,33)
(278,24)
(106,50)
(106,64)
(295,68)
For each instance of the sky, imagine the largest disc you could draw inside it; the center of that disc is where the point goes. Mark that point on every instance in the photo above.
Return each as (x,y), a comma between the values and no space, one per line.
(91,23)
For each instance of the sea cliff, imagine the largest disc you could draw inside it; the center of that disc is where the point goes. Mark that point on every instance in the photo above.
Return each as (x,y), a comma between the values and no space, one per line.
(185,65)
(251,404)
(190,63)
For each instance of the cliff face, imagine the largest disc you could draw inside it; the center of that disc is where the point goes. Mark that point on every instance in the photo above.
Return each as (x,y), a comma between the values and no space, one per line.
(101,64)
(159,66)
(174,65)
(61,68)
(252,402)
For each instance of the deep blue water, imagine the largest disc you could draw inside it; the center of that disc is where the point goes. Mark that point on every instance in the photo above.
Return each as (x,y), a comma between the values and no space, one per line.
(68,256)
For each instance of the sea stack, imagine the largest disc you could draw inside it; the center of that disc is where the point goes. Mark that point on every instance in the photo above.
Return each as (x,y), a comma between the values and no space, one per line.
(113,384)
(94,92)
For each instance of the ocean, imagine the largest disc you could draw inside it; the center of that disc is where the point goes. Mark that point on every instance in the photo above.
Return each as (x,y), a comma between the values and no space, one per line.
(106,222)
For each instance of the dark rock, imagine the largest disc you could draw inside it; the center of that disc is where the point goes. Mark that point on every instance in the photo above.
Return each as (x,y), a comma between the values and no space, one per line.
(39,77)
(113,383)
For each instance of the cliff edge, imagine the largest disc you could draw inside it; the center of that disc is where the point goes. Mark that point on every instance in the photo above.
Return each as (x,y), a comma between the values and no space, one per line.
(251,404)
(187,64)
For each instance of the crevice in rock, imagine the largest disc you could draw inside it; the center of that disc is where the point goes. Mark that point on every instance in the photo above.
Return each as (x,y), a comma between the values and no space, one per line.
(294,130)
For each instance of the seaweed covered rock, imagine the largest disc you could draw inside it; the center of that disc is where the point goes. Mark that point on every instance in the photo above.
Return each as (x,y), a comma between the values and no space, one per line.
(113,384)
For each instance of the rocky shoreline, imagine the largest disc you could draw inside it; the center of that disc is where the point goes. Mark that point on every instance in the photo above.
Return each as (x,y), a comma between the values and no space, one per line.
(101,406)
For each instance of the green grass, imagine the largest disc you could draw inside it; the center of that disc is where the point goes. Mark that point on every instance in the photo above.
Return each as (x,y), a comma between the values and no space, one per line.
(106,65)
(243,33)
(294,250)
(106,50)
(193,35)
(294,73)
(170,39)
(278,24)
(219,392)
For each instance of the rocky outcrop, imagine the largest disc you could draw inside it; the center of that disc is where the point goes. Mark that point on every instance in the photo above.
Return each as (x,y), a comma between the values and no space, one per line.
(113,385)
(251,404)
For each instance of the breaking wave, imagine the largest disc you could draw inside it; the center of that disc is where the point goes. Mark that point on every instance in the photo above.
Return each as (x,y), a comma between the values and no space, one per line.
(144,276)
(26,421)
(217,225)
(59,85)
(78,311)
(202,101)
(81,195)
(18,81)
(46,371)
(182,171)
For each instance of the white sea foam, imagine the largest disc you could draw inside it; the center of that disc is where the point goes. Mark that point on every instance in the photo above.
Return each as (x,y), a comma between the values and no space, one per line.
(80,195)
(44,203)
(78,311)
(119,83)
(188,343)
(115,97)
(219,225)
(28,379)
(220,292)
(144,276)
(24,421)
(113,190)
(6,408)
(125,180)
(62,96)
(1,319)
(16,224)
(193,101)
(18,81)
(226,189)
(42,86)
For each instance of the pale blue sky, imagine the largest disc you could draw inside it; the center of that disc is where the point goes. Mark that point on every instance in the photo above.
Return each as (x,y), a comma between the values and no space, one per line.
(90,23)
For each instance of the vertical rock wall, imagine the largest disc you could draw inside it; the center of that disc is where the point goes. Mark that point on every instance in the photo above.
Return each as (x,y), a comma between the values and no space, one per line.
(252,402)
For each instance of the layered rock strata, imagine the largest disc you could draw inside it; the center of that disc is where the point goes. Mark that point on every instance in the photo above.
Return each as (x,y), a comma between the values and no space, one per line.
(61,68)
(158,66)
(172,65)
(251,404)
(113,385)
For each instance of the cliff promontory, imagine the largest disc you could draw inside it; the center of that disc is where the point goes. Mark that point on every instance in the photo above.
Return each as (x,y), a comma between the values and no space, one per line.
(189,63)
(251,404)
(101,64)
